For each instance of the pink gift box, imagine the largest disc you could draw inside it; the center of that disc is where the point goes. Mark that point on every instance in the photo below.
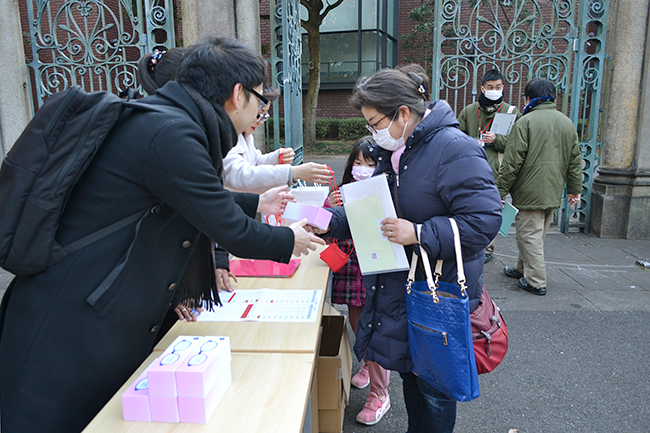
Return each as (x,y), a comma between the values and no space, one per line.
(199,410)
(135,400)
(164,409)
(316,216)
(162,377)
(202,369)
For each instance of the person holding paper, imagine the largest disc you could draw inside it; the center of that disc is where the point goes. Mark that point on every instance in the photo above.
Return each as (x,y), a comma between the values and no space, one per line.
(434,172)
(542,155)
(348,288)
(477,119)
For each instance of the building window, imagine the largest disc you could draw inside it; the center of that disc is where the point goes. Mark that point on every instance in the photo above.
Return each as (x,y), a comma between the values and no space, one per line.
(357,38)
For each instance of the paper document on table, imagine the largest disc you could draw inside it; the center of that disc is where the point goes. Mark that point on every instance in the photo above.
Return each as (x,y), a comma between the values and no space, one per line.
(502,123)
(265,305)
(508,214)
(367,203)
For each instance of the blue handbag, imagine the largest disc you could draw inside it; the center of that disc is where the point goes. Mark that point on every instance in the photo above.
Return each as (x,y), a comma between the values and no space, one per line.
(440,333)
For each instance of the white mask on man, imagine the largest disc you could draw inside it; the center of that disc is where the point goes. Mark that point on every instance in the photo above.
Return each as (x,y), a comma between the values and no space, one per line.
(493,95)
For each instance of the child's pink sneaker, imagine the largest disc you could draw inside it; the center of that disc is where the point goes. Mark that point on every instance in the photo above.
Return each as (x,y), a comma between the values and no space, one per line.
(362,378)
(374,409)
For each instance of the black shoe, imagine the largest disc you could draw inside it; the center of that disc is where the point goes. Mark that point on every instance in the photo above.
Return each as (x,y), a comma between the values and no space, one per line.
(487,258)
(512,272)
(523,284)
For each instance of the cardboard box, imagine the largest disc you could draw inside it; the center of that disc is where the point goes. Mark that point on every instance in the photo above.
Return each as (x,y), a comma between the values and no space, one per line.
(135,400)
(331,421)
(334,373)
(162,374)
(204,368)
(316,216)
(199,410)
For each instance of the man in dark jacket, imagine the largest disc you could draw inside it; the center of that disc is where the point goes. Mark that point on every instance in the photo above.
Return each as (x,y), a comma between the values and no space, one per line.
(71,336)
(542,155)
(476,120)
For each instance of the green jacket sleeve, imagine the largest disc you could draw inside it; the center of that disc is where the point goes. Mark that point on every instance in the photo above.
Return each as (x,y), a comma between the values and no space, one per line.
(462,121)
(574,175)
(513,159)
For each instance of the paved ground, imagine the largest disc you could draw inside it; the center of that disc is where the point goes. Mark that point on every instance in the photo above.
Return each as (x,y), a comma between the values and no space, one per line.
(578,357)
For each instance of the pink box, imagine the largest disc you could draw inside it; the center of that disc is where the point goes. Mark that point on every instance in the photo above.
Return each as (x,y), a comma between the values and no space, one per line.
(135,400)
(164,409)
(202,369)
(316,216)
(162,377)
(199,410)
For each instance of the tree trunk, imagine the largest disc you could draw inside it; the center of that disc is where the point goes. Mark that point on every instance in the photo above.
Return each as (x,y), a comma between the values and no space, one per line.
(309,133)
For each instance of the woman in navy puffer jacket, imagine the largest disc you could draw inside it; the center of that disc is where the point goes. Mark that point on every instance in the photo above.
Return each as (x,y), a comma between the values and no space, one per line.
(434,172)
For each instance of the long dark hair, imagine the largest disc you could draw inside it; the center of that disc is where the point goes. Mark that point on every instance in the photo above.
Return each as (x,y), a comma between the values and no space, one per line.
(368,149)
(156,69)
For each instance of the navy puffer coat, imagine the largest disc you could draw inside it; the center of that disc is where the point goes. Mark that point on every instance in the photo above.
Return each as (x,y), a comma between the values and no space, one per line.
(442,173)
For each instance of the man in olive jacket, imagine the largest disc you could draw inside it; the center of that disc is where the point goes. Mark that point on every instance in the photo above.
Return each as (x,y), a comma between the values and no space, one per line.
(476,119)
(542,155)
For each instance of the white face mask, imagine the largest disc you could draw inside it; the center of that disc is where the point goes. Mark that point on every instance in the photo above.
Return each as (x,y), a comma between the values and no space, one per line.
(386,141)
(362,172)
(493,95)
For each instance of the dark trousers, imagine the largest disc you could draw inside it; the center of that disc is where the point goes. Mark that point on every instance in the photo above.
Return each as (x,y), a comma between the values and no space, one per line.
(428,409)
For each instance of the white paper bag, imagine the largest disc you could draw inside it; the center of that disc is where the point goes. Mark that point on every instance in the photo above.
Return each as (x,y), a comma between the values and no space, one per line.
(314,195)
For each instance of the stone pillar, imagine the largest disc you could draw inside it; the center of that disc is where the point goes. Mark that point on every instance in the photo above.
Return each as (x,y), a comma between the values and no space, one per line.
(248,32)
(202,18)
(15,105)
(621,190)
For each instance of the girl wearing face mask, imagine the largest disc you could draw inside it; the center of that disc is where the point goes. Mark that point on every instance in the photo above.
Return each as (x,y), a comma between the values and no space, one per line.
(434,172)
(348,288)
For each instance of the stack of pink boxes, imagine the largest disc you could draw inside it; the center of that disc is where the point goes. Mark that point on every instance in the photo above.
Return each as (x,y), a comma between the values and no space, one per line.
(185,384)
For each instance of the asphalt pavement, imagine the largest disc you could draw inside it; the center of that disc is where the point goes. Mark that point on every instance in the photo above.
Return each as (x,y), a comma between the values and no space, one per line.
(578,359)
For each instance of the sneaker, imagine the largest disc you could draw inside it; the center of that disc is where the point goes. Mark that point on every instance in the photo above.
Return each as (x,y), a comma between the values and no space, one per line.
(374,409)
(512,272)
(487,258)
(362,378)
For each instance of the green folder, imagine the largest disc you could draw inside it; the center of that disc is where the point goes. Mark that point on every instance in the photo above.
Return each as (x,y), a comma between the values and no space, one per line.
(508,216)
(375,252)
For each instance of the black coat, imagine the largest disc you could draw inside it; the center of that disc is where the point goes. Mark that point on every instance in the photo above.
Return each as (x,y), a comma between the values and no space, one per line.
(61,358)
(442,173)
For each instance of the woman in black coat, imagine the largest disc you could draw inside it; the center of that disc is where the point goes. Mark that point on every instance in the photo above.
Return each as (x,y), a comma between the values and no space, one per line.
(435,172)
(68,341)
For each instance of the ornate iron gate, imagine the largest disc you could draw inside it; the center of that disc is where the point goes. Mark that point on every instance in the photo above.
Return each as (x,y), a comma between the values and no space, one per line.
(562,40)
(93,43)
(286,52)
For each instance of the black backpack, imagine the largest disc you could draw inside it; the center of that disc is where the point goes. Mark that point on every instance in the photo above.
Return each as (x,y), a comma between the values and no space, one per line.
(41,169)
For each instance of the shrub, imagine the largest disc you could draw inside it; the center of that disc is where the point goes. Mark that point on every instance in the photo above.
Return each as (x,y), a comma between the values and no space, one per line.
(352,129)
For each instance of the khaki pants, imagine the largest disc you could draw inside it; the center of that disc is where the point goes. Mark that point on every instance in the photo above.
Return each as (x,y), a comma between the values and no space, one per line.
(490,248)
(531,228)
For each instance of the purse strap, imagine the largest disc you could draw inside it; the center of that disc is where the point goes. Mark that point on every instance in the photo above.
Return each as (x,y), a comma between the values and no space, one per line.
(431,281)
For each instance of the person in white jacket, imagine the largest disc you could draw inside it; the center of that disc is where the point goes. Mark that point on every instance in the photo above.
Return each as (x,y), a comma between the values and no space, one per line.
(246,169)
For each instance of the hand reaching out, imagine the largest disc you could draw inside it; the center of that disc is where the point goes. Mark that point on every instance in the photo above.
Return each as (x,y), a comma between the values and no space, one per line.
(312,172)
(304,241)
(273,201)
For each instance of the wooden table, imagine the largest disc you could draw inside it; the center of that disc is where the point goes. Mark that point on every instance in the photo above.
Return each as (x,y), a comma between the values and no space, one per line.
(273,366)
(312,274)
(268,394)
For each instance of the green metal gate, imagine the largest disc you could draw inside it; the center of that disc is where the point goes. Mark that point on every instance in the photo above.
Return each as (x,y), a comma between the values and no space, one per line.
(562,40)
(286,53)
(95,44)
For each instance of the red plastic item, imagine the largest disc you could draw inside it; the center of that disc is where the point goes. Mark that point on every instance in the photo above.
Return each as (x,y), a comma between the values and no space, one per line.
(334,257)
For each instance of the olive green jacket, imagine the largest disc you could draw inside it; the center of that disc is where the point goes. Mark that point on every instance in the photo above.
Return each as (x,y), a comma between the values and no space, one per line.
(542,155)
(468,123)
